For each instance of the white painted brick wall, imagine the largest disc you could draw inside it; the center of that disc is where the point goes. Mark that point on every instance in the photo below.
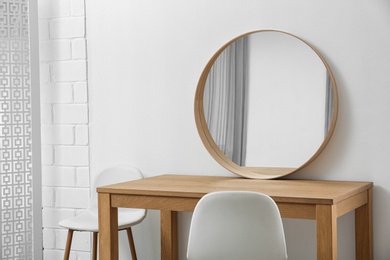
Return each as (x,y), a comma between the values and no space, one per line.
(71,198)
(81,134)
(78,49)
(65,71)
(47,154)
(82,177)
(81,241)
(57,176)
(55,50)
(67,28)
(57,134)
(44,73)
(57,93)
(47,9)
(77,7)
(51,216)
(71,155)
(70,113)
(80,92)
(64,118)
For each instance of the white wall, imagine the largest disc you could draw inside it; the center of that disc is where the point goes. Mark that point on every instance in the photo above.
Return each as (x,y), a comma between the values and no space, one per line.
(145,58)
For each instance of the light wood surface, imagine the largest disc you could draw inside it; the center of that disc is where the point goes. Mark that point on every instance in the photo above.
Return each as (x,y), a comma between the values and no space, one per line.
(131,243)
(323,201)
(68,244)
(108,228)
(363,230)
(94,245)
(168,221)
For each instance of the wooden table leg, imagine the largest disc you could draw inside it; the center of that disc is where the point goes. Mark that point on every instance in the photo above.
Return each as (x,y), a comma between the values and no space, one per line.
(326,232)
(108,228)
(363,230)
(168,235)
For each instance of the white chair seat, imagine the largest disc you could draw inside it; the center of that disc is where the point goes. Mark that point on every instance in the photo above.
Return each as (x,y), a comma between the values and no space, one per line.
(88,220)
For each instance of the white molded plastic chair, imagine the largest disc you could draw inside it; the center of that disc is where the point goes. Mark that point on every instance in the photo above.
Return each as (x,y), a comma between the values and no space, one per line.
(236,225)
(88,220)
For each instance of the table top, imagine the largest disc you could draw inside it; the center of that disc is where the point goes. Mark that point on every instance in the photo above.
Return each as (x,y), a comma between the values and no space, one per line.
(289,191)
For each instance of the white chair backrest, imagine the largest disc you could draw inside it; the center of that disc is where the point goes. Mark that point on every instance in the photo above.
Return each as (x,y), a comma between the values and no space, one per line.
(239,225)
(113,175)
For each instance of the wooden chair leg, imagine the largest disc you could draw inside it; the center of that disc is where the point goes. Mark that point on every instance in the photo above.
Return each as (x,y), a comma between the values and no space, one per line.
(94,245)
(131,243)
(68,244)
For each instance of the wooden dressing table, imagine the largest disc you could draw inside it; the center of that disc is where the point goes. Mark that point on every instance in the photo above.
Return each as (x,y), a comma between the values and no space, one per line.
(323,201)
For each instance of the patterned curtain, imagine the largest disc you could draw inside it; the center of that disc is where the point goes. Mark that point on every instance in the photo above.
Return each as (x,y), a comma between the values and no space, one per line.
(16,170)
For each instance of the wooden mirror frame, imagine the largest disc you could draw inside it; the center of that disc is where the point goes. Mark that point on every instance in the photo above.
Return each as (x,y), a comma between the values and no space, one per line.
(219,156)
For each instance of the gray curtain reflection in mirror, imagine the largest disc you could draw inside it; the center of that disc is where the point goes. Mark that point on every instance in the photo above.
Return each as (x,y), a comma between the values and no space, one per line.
(328,104)
(225,101)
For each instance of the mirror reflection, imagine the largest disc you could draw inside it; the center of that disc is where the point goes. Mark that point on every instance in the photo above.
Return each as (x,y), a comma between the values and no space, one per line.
(268,101)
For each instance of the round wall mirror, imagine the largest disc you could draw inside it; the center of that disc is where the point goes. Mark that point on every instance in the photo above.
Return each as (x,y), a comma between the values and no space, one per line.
(266,104)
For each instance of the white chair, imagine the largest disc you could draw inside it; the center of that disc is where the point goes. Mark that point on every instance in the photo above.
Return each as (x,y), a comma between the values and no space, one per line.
(88,219)
(236,225)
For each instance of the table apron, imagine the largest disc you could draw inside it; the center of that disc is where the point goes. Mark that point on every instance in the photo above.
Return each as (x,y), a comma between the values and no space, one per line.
(287,210)
(351,203)
(153,202)
(297,210)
